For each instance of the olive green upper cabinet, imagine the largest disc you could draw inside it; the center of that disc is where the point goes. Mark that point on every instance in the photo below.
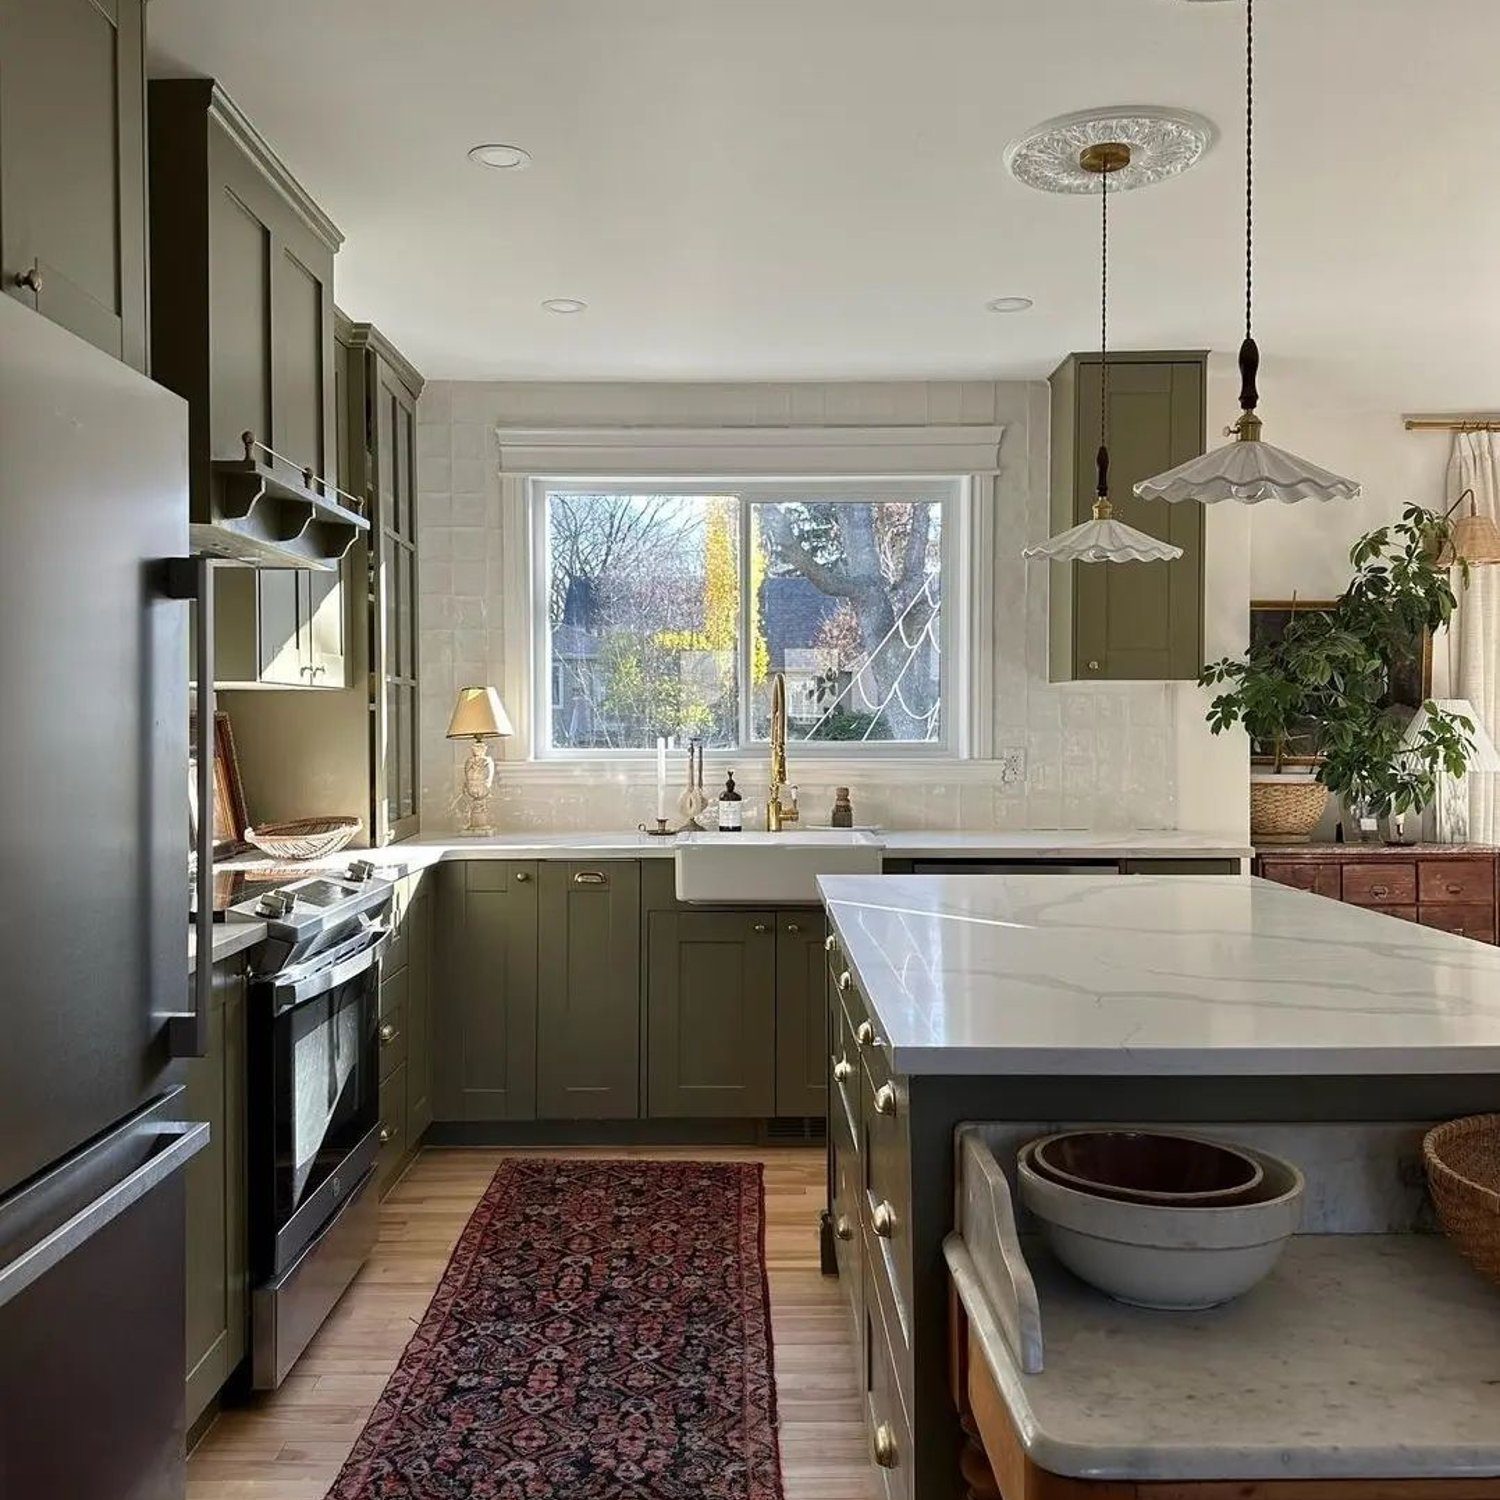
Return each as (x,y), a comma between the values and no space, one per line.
(381,417)
(801,1014)
(1128,621)
(589,985)
(484,1016)
(242,327)
(73,167)
(711,1014)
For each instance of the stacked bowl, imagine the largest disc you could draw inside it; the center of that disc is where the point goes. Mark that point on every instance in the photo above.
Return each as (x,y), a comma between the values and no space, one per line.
(1160,1220)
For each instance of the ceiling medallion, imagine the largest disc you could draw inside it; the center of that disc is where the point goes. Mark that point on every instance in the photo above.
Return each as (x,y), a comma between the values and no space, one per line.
(1163,143)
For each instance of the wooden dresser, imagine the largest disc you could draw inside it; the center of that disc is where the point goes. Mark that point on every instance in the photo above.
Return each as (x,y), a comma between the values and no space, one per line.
(1450,886)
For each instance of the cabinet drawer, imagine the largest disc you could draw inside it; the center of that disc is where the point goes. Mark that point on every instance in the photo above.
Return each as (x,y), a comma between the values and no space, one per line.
(398,951)
(1472,921)
(392,1039)
(856,1013)
(1448,880)
(1320,877)
(844,1068)
(886,1424)
(498,874)
(1380,884)
(848,1241)
(393,988)
(392,1128)
(887,1204)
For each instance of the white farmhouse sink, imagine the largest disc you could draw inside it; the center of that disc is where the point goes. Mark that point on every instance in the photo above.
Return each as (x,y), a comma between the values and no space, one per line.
(770,867)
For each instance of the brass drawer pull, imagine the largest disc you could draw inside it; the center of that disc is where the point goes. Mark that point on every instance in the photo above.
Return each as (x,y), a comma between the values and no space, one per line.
(385,1134)
(842,1228)
(864,1034)
(388,1034)
(845,979)
(1382,890)
(591,877)
(1455,890)
(883,1220)
(885,1100)
(793,927)
(843,1070)
(829,943)
(885,1446)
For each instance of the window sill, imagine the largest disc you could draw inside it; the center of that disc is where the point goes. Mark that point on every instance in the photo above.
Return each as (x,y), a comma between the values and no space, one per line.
(807,769)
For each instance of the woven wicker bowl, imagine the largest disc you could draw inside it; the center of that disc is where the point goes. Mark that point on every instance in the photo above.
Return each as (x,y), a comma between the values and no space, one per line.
(304,838)
(1286,811)
(1463,1174)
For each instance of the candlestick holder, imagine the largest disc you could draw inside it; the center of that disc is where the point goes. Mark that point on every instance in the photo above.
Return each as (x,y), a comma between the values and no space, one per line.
(661,831)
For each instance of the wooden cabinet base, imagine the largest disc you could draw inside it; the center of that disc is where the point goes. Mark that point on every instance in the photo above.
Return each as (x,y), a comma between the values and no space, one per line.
(994,1461)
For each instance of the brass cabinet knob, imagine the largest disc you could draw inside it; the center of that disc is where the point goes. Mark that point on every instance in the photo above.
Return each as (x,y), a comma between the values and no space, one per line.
(31,280)
(1093,666)
(829,942)
(864,1034)
(883,1220)
(885,1446)
(843,1070)
(842,1228)
(793,927)
(385,1134)
(522,875)
(761,927)
(845,979)
(885,1100)
(388,1034)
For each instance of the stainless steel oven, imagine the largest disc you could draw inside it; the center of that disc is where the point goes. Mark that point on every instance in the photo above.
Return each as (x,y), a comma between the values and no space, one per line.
(314,1111)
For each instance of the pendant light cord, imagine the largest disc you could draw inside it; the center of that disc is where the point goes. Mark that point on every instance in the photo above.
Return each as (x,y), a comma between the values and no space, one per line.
(1249,159)
(1103,455)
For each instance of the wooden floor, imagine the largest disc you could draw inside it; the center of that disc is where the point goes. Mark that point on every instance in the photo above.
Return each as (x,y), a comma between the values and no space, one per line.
(289,1445)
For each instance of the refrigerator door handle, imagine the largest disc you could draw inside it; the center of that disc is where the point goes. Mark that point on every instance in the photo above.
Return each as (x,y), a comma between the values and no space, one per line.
(54,1214)
(192,578)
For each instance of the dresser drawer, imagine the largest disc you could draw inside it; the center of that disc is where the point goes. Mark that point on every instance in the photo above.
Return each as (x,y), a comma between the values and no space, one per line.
(887,1425)
(1462,880)
(1319,876)
(1402,913)
(1380,884)
(887,1183)
(1475,921)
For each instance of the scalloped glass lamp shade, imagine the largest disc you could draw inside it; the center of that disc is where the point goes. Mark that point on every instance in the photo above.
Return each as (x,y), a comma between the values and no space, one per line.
(1249,471)
(1104,540)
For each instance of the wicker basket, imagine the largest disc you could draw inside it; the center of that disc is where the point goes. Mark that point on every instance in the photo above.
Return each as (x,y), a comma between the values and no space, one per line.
(1285,810)
(1463,1174)
(304,838)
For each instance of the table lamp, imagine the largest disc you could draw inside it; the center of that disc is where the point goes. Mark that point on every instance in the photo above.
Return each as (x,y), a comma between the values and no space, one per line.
(1451,803)
(479,715)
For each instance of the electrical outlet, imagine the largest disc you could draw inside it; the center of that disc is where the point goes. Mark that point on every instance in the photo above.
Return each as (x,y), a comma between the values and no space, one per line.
(1012,767)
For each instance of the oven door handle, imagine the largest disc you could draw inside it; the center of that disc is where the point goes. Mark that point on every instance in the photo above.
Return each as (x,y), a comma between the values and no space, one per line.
(294,992)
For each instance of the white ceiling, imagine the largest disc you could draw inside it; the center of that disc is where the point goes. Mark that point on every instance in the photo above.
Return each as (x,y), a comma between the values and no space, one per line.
(780,189)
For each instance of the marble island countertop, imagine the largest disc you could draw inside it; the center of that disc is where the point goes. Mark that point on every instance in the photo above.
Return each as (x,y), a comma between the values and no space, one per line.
(1082,975)
(1362,1356)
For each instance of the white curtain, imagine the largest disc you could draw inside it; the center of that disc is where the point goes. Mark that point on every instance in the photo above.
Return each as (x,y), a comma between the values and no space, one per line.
(1474,635)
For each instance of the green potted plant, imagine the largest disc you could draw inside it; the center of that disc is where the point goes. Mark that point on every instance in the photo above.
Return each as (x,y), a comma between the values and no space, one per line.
(1321,692)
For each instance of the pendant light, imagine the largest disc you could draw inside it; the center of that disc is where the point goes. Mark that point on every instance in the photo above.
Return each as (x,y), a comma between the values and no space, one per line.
(1247,469)
(1104,539)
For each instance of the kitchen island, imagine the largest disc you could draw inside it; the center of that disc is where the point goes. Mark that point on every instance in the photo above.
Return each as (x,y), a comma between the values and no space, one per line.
(1072,999)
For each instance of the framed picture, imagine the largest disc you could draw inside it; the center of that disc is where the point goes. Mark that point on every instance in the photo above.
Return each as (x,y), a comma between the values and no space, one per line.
(229,815)
(1410,672)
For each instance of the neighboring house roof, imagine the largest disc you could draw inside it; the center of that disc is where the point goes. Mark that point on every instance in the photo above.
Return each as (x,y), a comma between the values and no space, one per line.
(793,610)
(574,643)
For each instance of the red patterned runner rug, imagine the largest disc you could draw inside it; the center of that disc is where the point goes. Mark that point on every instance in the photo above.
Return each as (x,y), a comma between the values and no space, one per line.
(602,1332)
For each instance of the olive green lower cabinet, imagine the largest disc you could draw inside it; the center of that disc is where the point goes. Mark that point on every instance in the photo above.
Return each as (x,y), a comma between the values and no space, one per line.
(405,1029)
(217,1248)
(801,1015)
(588,1021)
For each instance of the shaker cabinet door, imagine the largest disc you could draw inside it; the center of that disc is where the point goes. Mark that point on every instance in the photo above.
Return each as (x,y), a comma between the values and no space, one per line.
(801,1014)
(73,167)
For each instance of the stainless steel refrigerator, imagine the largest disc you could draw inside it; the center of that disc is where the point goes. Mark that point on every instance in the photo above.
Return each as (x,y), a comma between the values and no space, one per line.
(93,932)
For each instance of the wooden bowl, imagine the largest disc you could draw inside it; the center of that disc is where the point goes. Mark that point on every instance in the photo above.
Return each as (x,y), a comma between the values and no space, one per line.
(1463,1174)
(1144,1166)
(303,838)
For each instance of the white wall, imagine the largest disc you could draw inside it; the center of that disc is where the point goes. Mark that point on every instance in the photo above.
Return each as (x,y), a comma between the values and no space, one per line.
(1101,756)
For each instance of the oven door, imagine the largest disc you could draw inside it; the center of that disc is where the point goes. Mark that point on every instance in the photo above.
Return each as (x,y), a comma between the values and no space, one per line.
(321,1086)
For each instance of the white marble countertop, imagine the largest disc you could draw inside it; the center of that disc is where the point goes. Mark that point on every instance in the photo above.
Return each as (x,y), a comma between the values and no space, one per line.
(1369,1356)
(1099,975)
(229,938)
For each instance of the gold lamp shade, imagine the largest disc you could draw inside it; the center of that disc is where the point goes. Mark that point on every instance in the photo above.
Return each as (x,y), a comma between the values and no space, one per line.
(1476,538)
(479,715)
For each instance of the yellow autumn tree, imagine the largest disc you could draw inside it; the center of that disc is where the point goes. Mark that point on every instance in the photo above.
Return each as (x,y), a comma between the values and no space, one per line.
(760,650)
(721,583)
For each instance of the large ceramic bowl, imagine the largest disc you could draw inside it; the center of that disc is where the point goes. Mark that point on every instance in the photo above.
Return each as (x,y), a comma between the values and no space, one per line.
(1148,1166)
(1154,1255)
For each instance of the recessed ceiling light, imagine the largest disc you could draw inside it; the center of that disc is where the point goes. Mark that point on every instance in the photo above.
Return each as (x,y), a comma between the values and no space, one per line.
(564,305)
(1008,304)
(503,158)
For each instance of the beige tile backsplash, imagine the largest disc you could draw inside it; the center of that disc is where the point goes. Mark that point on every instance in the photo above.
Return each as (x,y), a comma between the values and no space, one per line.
(1096,756)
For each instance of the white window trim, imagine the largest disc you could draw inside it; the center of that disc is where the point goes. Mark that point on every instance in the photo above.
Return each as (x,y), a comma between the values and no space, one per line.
(968,541)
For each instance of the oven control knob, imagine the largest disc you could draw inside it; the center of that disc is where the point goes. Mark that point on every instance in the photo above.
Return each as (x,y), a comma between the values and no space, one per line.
(276,904)
(361,870)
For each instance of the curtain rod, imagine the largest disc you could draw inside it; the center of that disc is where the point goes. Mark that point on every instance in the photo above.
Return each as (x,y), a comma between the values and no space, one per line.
(1478,423)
